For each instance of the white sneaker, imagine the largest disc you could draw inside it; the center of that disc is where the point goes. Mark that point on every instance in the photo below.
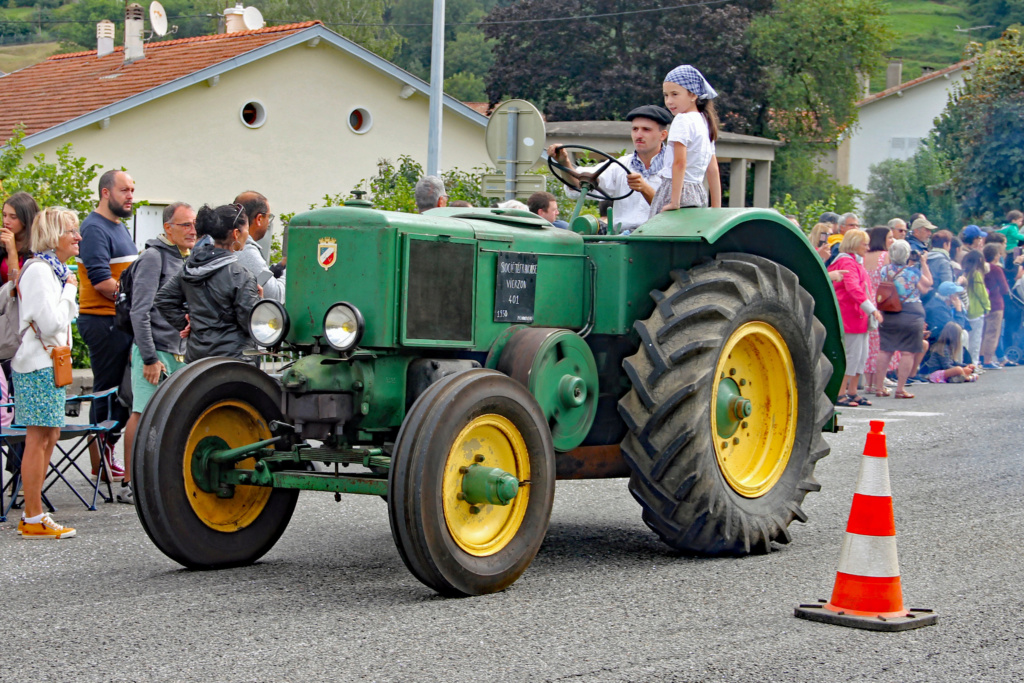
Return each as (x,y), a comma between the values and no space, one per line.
(125,494)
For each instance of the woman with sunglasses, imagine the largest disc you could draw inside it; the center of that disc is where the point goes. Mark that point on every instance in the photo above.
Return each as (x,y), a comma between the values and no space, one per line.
(218,290)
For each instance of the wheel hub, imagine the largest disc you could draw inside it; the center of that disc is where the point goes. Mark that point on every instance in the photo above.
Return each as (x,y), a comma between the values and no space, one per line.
(482,485)
(730,408)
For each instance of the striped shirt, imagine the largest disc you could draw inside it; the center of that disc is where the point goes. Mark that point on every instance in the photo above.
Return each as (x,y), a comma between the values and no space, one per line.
(106,250)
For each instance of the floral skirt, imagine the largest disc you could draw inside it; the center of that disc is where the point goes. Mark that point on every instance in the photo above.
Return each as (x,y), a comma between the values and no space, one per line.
(38,402)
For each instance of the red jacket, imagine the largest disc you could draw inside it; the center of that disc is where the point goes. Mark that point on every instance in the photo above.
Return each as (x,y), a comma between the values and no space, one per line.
(852,291)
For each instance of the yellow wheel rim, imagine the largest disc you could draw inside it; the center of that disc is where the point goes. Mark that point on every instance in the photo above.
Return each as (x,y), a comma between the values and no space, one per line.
(485,529)
(238,424)
(753,451)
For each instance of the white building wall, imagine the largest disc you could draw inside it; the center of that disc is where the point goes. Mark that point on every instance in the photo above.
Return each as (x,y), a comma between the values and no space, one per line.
(891,128)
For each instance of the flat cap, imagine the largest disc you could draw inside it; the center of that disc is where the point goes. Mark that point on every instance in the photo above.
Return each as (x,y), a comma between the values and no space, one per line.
(829,217)
(652,112)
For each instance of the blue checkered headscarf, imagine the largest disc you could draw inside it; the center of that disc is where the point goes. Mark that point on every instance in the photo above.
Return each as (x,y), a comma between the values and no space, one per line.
(692,80)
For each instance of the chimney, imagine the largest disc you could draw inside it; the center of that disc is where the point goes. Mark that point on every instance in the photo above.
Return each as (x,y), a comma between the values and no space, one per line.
(133,25)
(864,83)
(894,73)
(104,38)
(233,19)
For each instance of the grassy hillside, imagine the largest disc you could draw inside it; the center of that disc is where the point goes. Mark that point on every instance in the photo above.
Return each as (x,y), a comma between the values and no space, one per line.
(926,35)
(14,57)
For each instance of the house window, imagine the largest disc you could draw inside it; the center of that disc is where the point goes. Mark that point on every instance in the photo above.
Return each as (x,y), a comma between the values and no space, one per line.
(903,148)
(359,120)
(253,114)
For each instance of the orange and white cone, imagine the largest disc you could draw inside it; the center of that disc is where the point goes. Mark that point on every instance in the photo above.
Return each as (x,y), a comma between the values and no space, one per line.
(867,592)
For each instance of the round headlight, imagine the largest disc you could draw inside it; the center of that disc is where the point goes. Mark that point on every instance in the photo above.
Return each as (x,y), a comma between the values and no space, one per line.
(268,323)
(343,326)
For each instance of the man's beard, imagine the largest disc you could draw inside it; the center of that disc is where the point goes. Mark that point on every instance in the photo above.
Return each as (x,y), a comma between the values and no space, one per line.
(119,210)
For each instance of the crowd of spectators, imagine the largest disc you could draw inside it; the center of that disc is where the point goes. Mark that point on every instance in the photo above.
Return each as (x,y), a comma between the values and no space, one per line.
(193,287)
(950,311)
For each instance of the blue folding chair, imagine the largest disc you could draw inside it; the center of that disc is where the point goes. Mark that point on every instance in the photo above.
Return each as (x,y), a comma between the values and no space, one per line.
(80,436)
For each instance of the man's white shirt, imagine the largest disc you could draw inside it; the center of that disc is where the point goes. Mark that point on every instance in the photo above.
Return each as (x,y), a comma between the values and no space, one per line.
(631,212)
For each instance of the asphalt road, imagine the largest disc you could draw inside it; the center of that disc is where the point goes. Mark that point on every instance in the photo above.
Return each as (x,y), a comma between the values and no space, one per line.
(603,601)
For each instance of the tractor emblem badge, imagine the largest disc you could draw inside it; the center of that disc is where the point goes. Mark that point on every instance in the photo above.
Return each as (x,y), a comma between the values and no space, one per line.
(327,252)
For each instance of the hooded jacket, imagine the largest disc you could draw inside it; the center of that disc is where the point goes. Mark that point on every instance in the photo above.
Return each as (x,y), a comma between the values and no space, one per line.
(156,265)
(217,293)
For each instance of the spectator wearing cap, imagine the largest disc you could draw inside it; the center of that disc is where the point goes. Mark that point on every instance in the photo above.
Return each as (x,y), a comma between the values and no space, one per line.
(973,239)
(945,307)
(430,194)
(830,217)
(920,237)
(649,130)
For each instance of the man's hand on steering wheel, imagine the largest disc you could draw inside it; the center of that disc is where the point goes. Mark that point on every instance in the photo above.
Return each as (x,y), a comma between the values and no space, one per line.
(558,162)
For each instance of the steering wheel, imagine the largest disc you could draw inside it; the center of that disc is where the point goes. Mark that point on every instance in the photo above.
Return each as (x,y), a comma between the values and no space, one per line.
(589,179)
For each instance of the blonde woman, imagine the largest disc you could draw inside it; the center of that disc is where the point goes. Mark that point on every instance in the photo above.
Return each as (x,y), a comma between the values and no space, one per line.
(47,306)
(857,308)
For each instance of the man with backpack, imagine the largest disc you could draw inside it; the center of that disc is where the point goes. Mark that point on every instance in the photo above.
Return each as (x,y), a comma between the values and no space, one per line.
(159,349)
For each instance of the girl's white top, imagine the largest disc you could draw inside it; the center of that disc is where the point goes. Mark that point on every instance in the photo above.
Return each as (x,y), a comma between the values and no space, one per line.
(49,304)
(690,130)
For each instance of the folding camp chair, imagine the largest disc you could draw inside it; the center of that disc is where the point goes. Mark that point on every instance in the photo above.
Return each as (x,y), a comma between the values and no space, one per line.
(80,436)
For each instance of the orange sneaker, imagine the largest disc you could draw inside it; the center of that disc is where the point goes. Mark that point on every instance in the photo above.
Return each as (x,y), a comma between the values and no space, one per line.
(45,529)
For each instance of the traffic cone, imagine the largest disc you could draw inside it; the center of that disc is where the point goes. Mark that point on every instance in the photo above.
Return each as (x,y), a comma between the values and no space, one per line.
(867,592)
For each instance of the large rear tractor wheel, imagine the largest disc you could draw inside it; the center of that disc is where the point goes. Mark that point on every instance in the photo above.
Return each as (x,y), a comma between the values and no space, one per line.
(472,483)
(214,403)
(727,407)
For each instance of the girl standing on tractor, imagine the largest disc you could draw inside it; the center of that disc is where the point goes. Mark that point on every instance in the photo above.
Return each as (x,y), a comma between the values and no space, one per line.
(691,140)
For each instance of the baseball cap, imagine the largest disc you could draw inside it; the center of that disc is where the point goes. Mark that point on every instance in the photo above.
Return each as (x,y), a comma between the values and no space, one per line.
(949,288)
(971,233)
(829,217)
(922,223)
(652,112)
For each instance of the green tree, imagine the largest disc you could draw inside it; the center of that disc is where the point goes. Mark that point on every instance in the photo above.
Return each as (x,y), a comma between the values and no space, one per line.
(414,19)
(981,128)
(467,87)
(358,20)
(612,56)
(1000,14)
(899,188)
(67,181)
(797,173)
(813,51)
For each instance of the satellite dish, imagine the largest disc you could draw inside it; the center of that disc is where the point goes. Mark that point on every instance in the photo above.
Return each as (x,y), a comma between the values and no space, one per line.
(158,18)
(252,18)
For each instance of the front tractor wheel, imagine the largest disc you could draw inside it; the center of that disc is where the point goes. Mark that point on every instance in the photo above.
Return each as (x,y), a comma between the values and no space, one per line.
(472,483)
(213,404)
(727,407)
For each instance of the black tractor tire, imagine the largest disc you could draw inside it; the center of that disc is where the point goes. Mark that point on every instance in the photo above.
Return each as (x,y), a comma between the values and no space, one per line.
(417,507)
(158,466)
(676,477)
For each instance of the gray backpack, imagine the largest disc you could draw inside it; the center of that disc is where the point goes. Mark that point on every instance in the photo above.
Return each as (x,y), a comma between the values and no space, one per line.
(10,321)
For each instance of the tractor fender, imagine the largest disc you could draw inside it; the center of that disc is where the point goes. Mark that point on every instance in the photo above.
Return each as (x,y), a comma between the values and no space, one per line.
(762,232)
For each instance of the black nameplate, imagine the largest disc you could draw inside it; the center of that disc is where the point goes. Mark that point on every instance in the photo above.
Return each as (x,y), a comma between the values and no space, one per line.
(516,288)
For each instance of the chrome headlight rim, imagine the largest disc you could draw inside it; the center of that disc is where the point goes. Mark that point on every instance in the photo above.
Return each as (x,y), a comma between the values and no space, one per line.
(356,315)
(281,313)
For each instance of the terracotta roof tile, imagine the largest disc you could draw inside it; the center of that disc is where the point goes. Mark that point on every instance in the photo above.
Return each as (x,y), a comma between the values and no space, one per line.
(66,86)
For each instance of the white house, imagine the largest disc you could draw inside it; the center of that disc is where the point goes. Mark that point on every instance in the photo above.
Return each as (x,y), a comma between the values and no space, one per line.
(892,123)
(292,111)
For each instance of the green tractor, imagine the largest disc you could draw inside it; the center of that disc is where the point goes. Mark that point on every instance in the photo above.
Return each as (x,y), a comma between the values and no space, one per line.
(458,363)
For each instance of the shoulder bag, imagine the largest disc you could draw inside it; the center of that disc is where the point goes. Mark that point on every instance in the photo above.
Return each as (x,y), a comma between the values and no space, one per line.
(887,298)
